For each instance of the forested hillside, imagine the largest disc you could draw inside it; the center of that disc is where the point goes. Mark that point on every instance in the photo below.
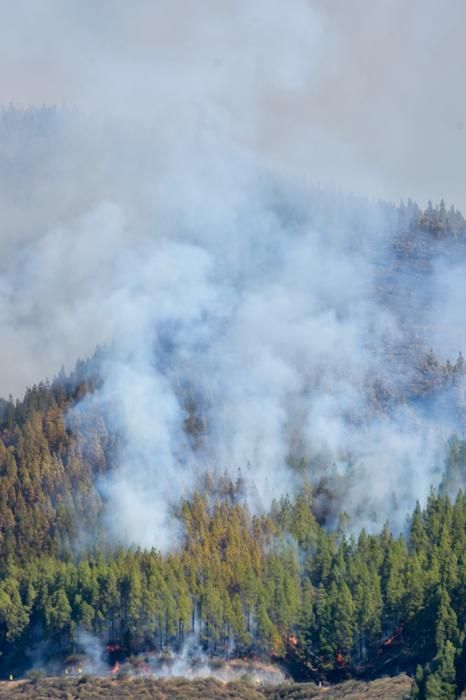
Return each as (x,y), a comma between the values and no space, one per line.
(233,350)
(237,473)
(325,602)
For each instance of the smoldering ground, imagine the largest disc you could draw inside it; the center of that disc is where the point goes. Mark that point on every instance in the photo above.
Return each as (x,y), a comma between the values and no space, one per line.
(169,216)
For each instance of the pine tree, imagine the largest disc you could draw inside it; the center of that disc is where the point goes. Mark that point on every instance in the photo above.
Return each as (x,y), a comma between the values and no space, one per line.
(418,689)
(440,685)
(446,628)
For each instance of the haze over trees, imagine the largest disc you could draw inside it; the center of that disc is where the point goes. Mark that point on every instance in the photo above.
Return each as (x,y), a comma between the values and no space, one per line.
(278,583)
(339,372)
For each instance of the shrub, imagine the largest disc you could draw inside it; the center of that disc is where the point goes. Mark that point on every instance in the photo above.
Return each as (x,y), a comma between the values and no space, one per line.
(35,675)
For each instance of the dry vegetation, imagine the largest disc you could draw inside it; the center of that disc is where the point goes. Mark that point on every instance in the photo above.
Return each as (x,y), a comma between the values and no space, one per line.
(202,689)
(382,689)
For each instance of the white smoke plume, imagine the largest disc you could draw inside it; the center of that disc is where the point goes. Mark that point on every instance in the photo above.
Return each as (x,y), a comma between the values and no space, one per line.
(192,663)
(362,95)
(94,659)
(171,217)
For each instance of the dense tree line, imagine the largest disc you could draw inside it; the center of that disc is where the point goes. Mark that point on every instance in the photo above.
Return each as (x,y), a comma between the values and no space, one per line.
(280,583)
(272,584)
(437,220)
(48,462)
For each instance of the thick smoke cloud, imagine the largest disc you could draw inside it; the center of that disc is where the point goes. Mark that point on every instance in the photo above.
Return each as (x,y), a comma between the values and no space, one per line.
(363,95)
(169,216)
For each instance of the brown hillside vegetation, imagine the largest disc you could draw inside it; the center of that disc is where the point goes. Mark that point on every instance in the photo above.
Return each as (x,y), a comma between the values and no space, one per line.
(201,689)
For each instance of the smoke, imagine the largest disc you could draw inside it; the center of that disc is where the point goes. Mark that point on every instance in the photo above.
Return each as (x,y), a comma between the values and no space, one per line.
(364,96)
(193,663)
(447,307)
(171,217)
(258,308)
(94,661)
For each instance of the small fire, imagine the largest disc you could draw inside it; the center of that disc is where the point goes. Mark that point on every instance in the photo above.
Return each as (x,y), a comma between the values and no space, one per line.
(116,667)
(340,659)
(396,636)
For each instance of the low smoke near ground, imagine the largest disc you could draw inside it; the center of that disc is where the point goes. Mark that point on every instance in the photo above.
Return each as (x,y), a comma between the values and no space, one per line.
(92,657)
(193,663)
(169,218)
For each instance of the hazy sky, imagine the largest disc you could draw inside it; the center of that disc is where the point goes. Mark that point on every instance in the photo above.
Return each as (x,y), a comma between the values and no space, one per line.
(367,95)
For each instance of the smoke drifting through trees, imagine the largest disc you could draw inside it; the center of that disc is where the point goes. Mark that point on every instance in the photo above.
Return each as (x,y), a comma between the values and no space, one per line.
(239,304)
(245,307)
